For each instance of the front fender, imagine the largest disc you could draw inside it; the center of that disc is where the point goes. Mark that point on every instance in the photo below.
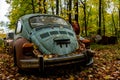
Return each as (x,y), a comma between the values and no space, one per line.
(18,43)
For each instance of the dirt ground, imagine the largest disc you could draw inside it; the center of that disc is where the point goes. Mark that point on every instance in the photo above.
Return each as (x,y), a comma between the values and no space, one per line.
(106,66)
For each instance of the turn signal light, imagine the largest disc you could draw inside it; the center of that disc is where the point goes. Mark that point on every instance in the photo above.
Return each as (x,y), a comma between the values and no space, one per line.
(28,45)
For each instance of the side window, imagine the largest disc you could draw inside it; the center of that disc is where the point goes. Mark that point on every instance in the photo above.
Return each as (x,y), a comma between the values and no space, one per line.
(19,27)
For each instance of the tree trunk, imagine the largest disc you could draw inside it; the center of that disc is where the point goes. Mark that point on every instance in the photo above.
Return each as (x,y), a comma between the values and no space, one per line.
(100,7)
(52,7)
(85,18)
(103,16)
(76,10)
(39,5)
(85,22)
(52,10)
(70,9)
(57,7)
(33,7)
(118,35)
(115,29)
(44,5)
(84,11)
(61,10)
(89,12)
(119,13)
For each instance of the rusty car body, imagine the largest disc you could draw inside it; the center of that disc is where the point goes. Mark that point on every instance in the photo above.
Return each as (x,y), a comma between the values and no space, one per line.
(43,40)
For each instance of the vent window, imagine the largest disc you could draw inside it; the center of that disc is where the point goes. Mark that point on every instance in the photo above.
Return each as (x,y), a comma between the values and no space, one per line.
(54,32)
(70,34)
(63,32)
(44,35)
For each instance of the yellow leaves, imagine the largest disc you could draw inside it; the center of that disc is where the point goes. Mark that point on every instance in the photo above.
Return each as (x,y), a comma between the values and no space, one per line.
(59,79)
(2,35)
(10,76)
(2,76)
(90,76)
(24,78)
(1,63)
(71,77)
(108,77)
(105,67)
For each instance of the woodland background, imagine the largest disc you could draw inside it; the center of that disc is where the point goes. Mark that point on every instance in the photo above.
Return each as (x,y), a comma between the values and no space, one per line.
(94,16)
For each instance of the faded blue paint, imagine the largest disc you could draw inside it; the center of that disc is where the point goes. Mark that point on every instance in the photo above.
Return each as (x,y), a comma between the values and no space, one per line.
(44,36)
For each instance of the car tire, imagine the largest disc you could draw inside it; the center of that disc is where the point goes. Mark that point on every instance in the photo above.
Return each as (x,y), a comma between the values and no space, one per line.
(90,63)
(15,59)
(89,59)
(15,62)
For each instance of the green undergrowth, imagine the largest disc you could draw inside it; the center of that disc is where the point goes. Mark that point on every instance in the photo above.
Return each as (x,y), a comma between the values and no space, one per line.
(112,50)
(102,47)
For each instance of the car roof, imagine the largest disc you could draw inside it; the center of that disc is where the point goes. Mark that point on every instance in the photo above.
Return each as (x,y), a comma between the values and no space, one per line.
(27,16)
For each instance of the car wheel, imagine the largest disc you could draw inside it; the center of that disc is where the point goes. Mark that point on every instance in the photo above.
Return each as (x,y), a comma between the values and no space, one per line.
(90,62)
(15,62)
(89,58)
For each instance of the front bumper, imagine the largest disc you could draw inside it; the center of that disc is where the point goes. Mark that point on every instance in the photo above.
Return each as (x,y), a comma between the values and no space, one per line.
(40,63)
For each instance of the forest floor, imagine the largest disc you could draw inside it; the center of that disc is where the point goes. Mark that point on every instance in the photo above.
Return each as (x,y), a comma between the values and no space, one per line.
(106,66)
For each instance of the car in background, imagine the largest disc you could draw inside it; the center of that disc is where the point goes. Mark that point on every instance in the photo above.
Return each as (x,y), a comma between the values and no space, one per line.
(43,40)
(8,42)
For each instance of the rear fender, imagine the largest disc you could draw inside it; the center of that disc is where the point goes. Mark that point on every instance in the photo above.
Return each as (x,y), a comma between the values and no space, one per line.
(18,43)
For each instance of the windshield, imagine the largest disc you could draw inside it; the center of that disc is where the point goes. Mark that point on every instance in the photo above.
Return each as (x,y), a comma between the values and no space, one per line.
(45,20)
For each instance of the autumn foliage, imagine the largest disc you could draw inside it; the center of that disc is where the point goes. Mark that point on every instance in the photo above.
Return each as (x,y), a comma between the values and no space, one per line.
(106,66)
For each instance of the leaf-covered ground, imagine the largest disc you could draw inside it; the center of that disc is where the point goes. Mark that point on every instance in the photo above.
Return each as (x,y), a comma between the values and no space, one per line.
(106,67)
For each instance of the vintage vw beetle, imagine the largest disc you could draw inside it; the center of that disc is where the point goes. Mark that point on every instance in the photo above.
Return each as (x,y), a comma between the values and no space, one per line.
(46,40)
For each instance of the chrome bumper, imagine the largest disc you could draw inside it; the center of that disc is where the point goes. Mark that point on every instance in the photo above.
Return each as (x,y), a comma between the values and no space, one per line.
(29,63)
(36,63)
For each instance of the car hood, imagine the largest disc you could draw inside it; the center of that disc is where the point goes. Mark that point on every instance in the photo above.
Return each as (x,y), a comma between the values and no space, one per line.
(54,40)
